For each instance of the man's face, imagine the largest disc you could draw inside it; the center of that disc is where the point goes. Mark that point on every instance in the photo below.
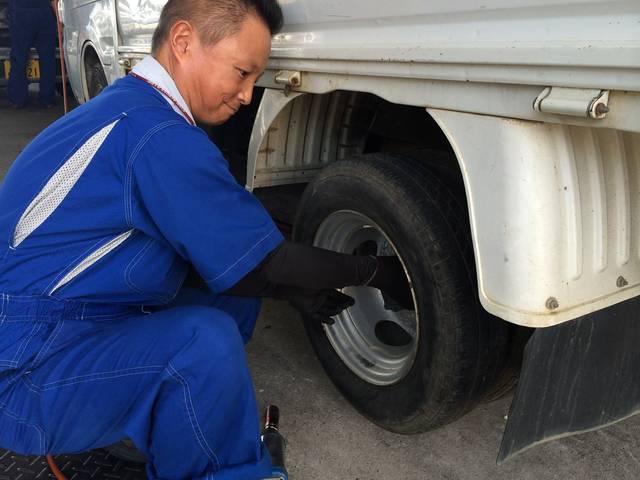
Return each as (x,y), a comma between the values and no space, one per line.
(219,79)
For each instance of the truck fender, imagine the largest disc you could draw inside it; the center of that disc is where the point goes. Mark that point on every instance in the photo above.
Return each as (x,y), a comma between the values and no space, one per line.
(272,103)
(553,212)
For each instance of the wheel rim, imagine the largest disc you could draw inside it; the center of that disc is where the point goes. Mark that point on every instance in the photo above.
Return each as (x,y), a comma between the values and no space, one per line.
(358,335)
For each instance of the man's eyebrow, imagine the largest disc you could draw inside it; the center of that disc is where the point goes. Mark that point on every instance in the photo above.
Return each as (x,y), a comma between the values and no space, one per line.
(250,66)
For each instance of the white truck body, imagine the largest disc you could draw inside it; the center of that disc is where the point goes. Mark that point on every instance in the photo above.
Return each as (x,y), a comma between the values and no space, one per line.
(538,99)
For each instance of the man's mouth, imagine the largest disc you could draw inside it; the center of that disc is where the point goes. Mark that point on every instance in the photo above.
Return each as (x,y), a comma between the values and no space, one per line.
(234,110)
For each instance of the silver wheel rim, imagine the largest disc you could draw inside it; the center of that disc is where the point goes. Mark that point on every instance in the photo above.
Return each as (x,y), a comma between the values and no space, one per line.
(353,335)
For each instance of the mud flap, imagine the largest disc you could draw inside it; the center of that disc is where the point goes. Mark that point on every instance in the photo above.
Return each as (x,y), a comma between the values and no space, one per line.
(578,376)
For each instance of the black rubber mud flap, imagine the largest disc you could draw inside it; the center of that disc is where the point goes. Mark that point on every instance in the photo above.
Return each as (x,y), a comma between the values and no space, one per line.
(578,376)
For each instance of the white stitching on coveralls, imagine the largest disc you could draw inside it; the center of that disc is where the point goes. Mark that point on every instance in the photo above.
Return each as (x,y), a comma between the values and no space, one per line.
(5,411)
(128,181)
(27,339)
(77,259)
(92,258)
(45,348)
(197,430)
(92,377)
(243,256)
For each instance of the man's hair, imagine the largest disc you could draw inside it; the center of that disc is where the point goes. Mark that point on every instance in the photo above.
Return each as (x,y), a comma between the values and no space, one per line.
(215,19)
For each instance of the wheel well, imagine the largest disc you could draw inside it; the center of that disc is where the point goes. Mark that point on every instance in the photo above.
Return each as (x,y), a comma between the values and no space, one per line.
(398,128)
(89,57)
(315,130)
(90,53)
(385,127)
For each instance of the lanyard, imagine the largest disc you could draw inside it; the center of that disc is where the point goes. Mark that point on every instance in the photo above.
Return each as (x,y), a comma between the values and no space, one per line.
(166,94)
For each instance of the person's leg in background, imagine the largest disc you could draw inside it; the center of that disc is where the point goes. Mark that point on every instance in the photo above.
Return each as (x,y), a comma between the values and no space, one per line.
(22,30)
(176,382)
(46,40)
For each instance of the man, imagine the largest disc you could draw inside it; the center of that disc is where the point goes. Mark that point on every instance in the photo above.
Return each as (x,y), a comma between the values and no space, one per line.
(32,23)
(102,215)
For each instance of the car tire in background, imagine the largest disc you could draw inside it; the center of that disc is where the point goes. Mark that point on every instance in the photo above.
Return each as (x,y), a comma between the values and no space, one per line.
(408,371)
(96,80)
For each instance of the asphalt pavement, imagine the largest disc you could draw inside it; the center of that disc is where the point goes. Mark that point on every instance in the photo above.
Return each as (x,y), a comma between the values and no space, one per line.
(328,439)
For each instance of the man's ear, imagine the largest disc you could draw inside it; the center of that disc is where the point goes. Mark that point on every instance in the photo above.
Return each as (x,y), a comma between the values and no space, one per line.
(181,39)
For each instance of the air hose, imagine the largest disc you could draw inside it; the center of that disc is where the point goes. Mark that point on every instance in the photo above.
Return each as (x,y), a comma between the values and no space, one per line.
(54,468)
(62,65)
(50,461)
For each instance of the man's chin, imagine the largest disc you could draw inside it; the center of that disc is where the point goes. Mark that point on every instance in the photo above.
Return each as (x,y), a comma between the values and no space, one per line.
(215,120)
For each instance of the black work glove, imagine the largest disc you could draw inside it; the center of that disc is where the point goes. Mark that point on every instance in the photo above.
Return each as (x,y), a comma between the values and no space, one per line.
(319,305)
(392,281)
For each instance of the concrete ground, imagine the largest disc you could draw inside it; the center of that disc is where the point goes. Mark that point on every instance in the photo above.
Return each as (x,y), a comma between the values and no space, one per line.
(328,439)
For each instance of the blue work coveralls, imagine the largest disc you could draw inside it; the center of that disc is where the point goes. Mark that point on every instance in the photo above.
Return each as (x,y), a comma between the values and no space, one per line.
(99,218)
(32,23)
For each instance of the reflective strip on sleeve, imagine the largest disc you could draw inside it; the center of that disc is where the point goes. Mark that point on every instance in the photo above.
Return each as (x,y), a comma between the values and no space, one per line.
(58,186)
(93,258)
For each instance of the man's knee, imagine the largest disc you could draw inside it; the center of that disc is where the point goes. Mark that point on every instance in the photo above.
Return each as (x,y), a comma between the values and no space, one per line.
(211,351)
(243,310)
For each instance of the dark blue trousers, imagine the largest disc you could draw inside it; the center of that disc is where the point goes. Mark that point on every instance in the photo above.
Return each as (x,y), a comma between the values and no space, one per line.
(32,27)
(77,376)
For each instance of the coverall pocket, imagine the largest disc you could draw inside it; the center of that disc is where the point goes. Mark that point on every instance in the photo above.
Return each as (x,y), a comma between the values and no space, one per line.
(156,272)
(21,341)
(20,434)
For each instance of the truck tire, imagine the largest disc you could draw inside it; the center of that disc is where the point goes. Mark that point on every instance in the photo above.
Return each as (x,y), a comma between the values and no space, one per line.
(95,77)
(507,382)
(408,371)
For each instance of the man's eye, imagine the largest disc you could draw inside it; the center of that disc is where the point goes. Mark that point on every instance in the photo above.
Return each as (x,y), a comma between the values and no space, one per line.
(243,73)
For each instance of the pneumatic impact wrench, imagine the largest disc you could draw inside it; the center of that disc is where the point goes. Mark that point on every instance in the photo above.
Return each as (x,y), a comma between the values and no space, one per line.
(274,441)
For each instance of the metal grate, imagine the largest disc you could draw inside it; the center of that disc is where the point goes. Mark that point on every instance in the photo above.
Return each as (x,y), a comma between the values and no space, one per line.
(97,464)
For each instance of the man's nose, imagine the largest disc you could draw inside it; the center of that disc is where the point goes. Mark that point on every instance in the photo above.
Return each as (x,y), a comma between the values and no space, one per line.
(246,94)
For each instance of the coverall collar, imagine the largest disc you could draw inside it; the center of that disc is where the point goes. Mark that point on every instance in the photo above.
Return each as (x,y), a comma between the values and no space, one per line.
(150,69)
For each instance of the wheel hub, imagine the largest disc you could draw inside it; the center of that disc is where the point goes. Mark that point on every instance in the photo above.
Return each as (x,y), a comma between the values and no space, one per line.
(375,338)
